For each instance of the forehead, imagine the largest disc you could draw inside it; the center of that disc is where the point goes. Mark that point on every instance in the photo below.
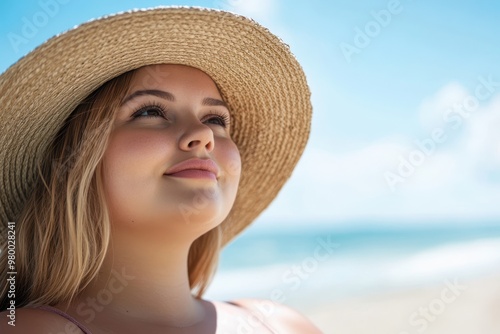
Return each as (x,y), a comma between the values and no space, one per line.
(171,75)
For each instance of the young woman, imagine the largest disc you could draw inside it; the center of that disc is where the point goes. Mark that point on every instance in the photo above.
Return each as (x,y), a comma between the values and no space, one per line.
(134,148)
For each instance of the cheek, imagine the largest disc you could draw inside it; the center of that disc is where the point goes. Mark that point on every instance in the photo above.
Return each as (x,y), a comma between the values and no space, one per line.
(129,152)
(232,160)
(130,163)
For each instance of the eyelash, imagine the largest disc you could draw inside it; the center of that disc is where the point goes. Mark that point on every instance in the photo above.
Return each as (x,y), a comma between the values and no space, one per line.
(150,106)
(224,118)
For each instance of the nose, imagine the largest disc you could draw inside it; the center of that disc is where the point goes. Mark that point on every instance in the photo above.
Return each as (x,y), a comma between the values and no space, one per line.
(197,136)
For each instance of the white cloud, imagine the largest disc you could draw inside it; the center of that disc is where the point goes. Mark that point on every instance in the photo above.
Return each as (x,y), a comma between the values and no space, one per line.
(460,178)
(433,109)
(481,140)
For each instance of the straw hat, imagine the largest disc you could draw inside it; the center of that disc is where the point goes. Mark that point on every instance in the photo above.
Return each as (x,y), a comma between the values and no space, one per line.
(258,77)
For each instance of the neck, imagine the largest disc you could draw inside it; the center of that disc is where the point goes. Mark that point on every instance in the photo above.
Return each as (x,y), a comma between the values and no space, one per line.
(144,281)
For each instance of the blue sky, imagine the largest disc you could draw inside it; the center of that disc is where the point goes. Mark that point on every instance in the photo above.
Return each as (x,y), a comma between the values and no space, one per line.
(417,63)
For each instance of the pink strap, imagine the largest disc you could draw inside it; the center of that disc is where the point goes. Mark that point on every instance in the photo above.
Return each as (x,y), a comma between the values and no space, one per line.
(67,316)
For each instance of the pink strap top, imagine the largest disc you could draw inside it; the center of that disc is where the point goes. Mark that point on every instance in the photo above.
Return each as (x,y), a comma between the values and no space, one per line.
(67,316)
(85,330)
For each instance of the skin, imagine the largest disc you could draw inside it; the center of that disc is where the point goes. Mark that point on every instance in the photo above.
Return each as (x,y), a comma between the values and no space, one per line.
(143,285)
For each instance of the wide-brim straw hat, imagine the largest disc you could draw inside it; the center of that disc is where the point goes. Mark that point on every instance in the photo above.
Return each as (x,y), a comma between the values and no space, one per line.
(256,73)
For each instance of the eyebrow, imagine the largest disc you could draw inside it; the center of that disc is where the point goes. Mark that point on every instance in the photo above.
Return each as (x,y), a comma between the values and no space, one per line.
(207,101)
(159,93)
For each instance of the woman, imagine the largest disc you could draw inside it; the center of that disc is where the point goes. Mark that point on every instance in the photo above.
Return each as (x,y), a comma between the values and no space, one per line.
(135,147)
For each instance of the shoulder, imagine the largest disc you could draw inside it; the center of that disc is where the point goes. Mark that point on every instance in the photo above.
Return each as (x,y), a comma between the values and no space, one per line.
(281,318)
(31,320)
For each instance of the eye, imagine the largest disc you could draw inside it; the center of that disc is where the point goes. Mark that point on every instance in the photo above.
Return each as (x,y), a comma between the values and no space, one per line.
(154,109)
(218,119)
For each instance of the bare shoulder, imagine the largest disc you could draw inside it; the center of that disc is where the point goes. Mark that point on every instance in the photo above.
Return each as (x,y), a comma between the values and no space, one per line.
(281,318)
(29,320)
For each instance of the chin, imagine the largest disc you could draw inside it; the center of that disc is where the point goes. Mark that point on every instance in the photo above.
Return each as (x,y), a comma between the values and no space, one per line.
(201,223)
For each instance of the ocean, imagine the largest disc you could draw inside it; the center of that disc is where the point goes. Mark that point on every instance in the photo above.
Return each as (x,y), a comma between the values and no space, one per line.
(320,264)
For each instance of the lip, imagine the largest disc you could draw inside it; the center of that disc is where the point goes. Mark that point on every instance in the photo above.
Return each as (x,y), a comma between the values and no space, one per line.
(195,168)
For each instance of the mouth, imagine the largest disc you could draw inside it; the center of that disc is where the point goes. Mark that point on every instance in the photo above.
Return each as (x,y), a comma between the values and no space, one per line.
(194,174)
(195,169)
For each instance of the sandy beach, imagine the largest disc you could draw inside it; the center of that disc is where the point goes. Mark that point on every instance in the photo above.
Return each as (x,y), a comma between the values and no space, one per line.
(454,307)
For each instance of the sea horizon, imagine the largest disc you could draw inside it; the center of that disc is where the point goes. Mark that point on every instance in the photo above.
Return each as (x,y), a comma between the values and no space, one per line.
(327,263)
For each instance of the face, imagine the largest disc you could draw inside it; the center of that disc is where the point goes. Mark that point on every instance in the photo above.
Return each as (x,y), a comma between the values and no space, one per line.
(171,114)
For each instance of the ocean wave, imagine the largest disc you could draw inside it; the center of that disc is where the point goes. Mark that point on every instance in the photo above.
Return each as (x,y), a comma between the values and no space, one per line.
(353,273)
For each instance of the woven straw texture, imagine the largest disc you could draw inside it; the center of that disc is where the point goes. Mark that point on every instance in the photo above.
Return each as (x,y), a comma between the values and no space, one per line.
(257,75)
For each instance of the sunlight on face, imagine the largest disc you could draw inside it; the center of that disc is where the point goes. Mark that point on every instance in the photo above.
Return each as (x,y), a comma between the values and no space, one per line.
(171,113)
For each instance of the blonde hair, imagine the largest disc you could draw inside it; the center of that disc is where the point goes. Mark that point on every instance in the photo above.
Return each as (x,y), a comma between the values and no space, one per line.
(63,230)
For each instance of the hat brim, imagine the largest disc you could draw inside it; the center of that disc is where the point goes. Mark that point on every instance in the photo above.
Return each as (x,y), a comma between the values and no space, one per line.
(258,77)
